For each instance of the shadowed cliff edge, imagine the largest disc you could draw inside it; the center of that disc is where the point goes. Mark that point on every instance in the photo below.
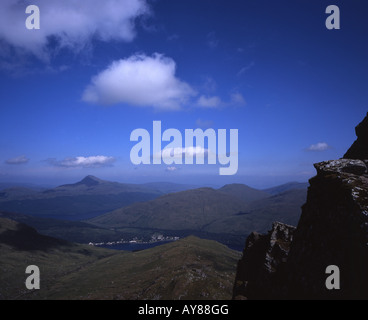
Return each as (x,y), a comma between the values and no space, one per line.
(290,263)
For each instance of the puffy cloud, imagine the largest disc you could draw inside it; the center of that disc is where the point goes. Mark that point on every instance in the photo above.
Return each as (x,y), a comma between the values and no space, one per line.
(71,23)
(140,80)
(171,169)
(17,160)
(84,162)
(236,99)
(320,146)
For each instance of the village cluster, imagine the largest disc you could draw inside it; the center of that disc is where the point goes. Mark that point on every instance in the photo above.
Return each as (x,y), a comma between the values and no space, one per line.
(155,238)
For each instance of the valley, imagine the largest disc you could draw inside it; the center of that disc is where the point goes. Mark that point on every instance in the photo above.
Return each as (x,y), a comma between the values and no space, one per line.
(174,240)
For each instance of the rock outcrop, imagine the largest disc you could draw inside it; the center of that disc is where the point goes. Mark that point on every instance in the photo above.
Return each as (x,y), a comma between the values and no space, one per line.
(332,230)
(264,258)
(359,149)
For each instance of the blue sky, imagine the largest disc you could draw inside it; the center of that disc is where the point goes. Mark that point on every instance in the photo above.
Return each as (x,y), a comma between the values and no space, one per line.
(73,91)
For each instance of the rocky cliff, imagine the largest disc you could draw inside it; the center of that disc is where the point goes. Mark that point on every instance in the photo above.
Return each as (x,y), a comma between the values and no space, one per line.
(332,230)
(264,259)
(359,149)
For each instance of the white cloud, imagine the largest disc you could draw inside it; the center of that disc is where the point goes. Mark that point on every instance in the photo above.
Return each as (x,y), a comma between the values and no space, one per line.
(236,99)
(178,153)
(140,80)
(171,169)
(209,102)
(320,146)
(17,160)
(73,24)
(84,162)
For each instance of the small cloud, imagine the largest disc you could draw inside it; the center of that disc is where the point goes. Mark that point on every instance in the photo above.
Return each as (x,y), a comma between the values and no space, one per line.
(83,162)
(212,40)
(209,102)
(57,69)
(318,147)
(171,169)
(246,68)
(237,99)
(173,37)
(209,85)
(179,153)
(213,102)
(17,160)
(249,47)
(204,124)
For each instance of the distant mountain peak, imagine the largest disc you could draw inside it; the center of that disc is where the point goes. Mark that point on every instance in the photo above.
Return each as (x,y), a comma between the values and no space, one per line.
(90,181)
(92,177)
(244,192)
(241,185)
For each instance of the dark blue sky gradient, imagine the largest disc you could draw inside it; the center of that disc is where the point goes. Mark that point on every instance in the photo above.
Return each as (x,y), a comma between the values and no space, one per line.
(303,85)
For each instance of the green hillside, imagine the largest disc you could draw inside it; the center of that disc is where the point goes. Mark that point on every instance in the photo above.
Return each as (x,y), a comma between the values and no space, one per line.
(190,268)
(21,245)
(190,210)
(244,192)
(74,231)
(286,187)
(208,213)
(284,207)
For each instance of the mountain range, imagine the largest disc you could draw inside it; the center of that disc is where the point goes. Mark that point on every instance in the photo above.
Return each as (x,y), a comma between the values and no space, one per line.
(223,214)
(95,210)
(84,199)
